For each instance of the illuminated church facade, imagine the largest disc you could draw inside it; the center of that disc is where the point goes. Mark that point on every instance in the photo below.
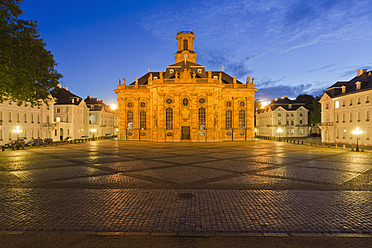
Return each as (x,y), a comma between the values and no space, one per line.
(186,102)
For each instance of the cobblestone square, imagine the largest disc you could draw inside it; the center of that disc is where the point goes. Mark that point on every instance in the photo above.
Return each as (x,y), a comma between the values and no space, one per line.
(241,187)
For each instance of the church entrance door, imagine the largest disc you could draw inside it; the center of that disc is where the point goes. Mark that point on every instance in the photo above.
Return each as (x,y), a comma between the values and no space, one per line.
(185,132)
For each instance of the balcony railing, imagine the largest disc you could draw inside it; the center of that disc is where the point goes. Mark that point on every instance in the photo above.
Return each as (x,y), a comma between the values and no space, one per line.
(48,124)
(326,124)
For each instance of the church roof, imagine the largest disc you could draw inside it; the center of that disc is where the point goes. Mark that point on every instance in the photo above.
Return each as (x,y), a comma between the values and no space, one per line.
(179,67)
(366,84)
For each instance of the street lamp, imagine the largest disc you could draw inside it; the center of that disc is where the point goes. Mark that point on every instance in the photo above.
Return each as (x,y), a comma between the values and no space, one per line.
(279,131)
(17,130)
(93,130)
(357,131)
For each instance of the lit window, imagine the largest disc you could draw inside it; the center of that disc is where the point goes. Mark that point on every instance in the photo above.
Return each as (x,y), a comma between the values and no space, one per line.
(130,120)
(143,120)
(201,118)
(228,120)
(169,119)
(337,104)
(241,119)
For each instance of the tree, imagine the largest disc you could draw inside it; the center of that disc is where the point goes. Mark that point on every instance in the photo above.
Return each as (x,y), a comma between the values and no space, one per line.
(27,72)
(315,115)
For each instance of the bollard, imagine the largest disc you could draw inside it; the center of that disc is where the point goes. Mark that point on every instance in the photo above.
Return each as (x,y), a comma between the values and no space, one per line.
(344,146)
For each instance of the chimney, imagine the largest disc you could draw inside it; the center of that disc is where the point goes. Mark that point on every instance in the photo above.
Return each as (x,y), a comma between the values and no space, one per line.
(88,97)
(59,86)
(66,88)
(361,71)
(284,97)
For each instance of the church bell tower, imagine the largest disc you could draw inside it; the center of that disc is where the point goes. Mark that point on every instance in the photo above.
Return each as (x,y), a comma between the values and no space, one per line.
(185,46)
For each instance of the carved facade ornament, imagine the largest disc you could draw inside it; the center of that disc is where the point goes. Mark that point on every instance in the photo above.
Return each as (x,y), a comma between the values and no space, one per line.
(185,113)
(176,75)
(248,80)
(185,74)
(209,74)
(234,80)
(161,74)
(193,74)
(136,81)
(252,80)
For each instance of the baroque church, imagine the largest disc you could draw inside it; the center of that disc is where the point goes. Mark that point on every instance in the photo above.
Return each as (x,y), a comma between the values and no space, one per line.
(186,102)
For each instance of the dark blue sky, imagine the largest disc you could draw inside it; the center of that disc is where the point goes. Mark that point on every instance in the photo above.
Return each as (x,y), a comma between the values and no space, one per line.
(289,47)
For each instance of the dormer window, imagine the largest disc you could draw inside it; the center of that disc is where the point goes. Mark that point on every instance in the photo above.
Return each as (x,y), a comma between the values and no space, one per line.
(155,78)
(290,106)
(215,77)
(358,85)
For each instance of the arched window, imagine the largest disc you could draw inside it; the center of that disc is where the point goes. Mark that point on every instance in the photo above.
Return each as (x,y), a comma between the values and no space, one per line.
(241,119)
(201,118)
(169,119)
(185,45)
(143,120)
(228,119)
(130,120)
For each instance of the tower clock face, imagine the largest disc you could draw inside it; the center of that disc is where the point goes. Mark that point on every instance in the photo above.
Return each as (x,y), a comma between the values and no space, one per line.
(185,55)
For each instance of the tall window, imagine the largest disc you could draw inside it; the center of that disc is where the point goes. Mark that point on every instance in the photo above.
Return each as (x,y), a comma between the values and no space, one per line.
(130,120)
(201,118)
(367,115)
(229,120)
(143,120)
(241,119)
(343,118)
(351,117)
(169,119)
(18,119)
(337,118)
(25,118)
(358,116)
(185,45)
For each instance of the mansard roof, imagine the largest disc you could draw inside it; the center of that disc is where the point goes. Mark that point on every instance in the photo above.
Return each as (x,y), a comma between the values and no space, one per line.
(63,96)
(285,103)
(179,67)
(366,84)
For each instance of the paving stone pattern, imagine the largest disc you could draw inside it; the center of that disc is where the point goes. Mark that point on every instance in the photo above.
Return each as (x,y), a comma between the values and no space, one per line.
(243,187)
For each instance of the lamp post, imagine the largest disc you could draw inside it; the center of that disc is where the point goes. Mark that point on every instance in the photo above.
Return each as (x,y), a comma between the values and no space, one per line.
(93,130)
(279,131)
(17,130)
(357,131)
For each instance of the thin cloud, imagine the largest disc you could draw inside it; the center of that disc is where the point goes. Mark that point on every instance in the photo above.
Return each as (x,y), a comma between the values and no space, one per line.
(320,68)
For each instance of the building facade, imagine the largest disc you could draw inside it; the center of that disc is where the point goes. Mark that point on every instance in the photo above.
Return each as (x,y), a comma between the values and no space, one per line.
(186,102)
(65,115)
(282,118)
(345,107)
(102,118)
(31,121)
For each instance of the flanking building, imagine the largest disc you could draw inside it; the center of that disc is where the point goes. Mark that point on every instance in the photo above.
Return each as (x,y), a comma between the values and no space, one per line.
(71,115)
(345,107)
(66,115)
(186,102)
(283,118)
(102,118)
(31,122)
